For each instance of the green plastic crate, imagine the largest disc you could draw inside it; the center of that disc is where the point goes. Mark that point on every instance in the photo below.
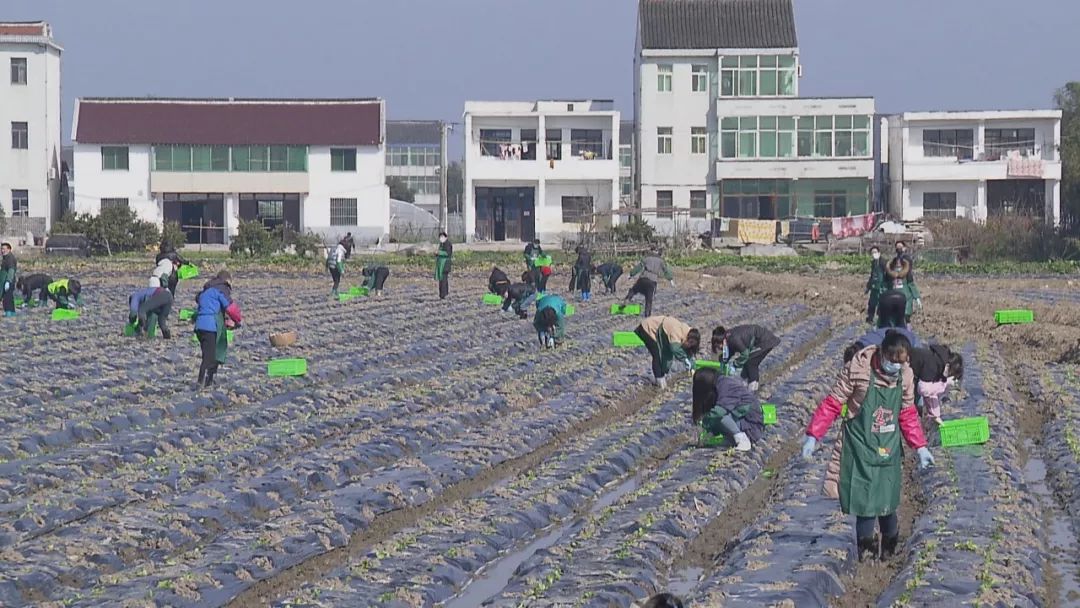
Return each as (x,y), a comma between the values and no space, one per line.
(286,367)
(345,297)
(64,314)
(1014,317)
(768,413)
(707,364)
(570,310)
(129,330)
(626,339)
(965,431)
(187,314)
(626,309)
(707,439)
(187,272)
(492,299)
(542,261)
(357,292)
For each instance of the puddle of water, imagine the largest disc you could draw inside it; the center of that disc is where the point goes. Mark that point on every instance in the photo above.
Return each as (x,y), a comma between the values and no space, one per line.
(495,578)
(681,583)
(1064,548)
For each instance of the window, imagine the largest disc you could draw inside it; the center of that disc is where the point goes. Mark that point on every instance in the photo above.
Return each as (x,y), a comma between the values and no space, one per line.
(663,140)
(343,212)
(999,142)
(493,142)
(829,203)
(114,158)
(626,186)
(756,198)
(587,143)
(665,207)
(626,156)
(577,209)
(698,140)
(949,143)
(663,78)
(757,75)
(343,159)
(210,158)
(787,137)
(18,70)
(113,203)
(423,184)
(939,204)
(271,212)
(698,204)
(20,203)
(699,79)
(554,144)
(20,136)
(297,159)
(729,137)
(748,137)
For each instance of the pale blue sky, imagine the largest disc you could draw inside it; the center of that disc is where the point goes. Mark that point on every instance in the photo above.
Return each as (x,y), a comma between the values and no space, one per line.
(426,57)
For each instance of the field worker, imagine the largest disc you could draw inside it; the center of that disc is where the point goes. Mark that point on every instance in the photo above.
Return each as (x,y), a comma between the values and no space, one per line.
(29,283)
(936,368)
(216,313)
(744,347)
(663,600)
(349,243)
(609,275)
(8,278)
(668,339)
(443,259)
(163,273)
(498,282)
(892,309)
(875,285)
(864,472)
(520,296)
(651,268)
(375,279)
(64,292)
(876,336)
(532,251)
(335,265)
(166,250)
(896,275)
(581,278)
(150,306)
(723,405)
(550,321)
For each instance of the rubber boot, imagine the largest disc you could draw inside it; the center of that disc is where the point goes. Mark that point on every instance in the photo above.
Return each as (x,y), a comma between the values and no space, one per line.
(661,383)
(888,546)
(742,443)
(868,548)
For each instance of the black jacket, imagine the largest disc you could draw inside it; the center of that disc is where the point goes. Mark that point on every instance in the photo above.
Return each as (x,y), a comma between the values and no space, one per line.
(497,278)
(928,364)
(746,337)
(34,281)
(519,291)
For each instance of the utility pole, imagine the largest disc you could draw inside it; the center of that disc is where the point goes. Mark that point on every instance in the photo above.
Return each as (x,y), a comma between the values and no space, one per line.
(443,219)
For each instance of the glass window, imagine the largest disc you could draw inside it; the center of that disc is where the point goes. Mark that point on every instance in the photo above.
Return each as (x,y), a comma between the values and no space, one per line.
(860,122)
(20,203)
(729,62)
(729,122)
(114,203)
(698,204)
(18,70)
(553,139)
(219,158)
(114,158)
(727,83)
(271,212)
(861,144)
(343,212)
(200,158)
(828,203)
(665,207)
(181,158)
(823,143)
(493,142)
(577,209)
(767,144)
(259,158)
(297,159)
(843,143)
(20,136)
(241,156)
(999,142)
(748,83)
(949,143)
(279,158)
(626,186)
(587,143)
(698,140)
(343,159)
(728,143)
(163,158)
(626,156)
(785,144)
(699,80)
(663,78)
(747,144)
(939,204)
(663,140)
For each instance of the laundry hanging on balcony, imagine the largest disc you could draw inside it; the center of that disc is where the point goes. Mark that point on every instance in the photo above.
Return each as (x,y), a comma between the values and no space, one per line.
(856,225)
(761,232)
(1020,166)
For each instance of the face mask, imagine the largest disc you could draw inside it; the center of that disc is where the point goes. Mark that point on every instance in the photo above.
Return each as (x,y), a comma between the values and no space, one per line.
(442,239)
(891,368)
(876,255)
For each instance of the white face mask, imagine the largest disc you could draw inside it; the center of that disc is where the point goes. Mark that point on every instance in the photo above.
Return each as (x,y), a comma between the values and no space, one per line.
(442,239)
(876,255)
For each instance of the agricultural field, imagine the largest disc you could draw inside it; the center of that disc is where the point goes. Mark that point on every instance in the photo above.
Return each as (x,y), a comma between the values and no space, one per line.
(433,456)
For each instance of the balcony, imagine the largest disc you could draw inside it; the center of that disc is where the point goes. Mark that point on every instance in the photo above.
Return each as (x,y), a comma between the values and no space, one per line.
(518,160)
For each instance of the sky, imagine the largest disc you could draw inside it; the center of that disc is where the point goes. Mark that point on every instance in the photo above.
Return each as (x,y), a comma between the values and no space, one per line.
(427,57)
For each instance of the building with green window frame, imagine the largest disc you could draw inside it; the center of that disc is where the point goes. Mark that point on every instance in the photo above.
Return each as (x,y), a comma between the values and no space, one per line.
(721,129)
(209,164)
(414,154)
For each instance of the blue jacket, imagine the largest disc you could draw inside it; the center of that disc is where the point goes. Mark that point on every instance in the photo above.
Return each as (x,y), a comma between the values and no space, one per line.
(212,303)
(139,297)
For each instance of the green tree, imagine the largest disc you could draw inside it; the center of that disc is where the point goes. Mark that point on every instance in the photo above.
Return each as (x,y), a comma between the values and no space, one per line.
(1067,99)
(399,190)
(254,240)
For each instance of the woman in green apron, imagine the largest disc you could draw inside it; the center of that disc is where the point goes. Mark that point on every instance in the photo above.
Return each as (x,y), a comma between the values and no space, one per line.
(878,387)
(442,265)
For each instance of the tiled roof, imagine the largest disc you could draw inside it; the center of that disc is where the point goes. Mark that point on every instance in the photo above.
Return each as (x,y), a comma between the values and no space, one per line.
(717,24)
(37,28)
(413,132)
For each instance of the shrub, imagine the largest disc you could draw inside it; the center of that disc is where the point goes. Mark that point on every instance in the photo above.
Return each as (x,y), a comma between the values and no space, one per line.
(113,231)
(635,230)
(254,240)
(174,234)
(306,244)
(1004,238)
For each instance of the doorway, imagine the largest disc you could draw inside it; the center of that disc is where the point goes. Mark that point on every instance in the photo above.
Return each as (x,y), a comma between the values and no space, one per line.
(201,216)
(504,214)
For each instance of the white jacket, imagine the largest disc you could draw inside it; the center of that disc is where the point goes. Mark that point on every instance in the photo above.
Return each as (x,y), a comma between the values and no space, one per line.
(337,255)
(161,273)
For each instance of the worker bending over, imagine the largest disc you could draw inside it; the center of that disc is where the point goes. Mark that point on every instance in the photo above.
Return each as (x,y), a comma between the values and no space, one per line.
(651,268)
(498,282)
(148,307)
(668,339)
(550,321)
(744,347)
(520,296)
(723,406)
(28,284)
(64,292)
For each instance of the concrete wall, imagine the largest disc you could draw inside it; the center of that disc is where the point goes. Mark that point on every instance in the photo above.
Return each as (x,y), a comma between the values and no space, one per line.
(367,185)
(133,184)
(549,224)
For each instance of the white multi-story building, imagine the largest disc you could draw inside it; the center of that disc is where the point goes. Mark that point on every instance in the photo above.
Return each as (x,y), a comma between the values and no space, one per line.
(207,164)
(721,129)
(626,164)
(539,169)
(414,154)
(975,164)
(30,113)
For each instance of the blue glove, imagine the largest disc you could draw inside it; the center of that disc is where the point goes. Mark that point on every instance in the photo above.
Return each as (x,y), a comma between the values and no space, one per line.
(808,447)
(926,459)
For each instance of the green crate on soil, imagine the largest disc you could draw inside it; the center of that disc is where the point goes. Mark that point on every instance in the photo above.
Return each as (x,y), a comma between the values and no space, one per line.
(286,367)
(64,314)
(966,431)
(768,413)
(626,309)
(626,339)
(357,292)
(570,310)
(345,297)
(129,330)
(187,314)
(1014,317)
(187,272)
(492,299)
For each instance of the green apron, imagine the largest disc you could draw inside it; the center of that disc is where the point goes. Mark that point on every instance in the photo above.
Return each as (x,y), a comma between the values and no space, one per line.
(668,350)
(870,470)
(741,359)
(442,265)
(222,349)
